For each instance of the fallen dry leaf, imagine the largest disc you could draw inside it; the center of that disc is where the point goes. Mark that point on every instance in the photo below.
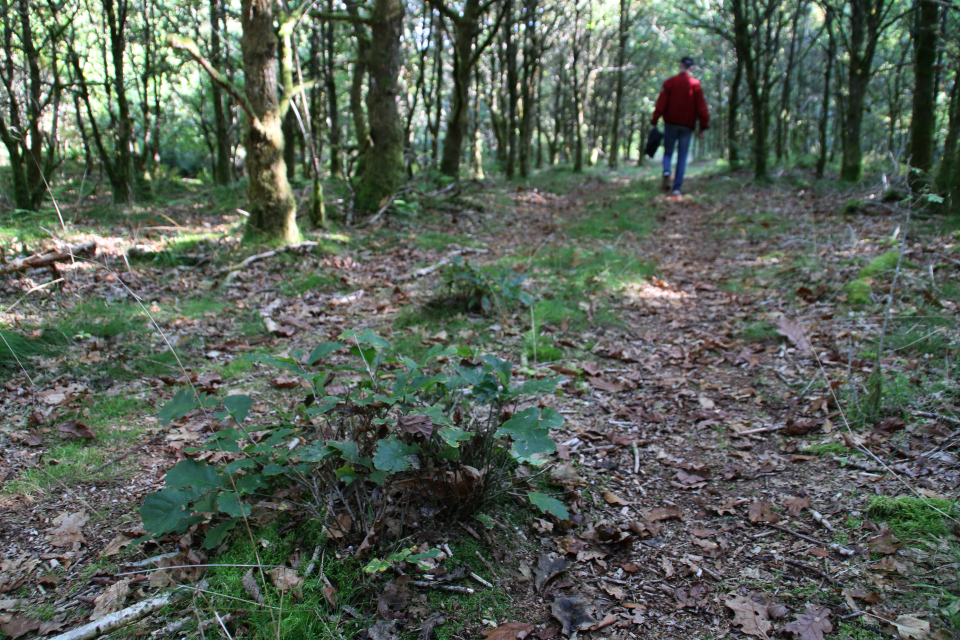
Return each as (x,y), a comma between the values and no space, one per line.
(249,583)
(574,614)
(548,566)
(613,498)
(663,513)
(14,572)
(762,511)
(796,505)
(795,333)
(67,532)
(284,381)
(510,631)
(811,624)
(911,628)
(416,424)
(76,428)
(286,579)
(111,600)
(750,613)
(19,625)
(114,547)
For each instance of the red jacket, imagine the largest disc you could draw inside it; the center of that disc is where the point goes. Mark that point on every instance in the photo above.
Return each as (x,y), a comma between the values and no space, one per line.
(681,102)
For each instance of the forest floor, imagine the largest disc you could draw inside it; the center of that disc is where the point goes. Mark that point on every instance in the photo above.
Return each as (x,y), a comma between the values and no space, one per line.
(732,458)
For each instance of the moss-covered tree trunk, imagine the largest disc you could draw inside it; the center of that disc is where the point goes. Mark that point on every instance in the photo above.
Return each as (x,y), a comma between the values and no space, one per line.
(269,197)
(825,106)
(383,170)
(924,119)
(458,122)
(222,173)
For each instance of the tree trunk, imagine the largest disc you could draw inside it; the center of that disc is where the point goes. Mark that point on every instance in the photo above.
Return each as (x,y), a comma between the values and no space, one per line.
(383,166)
(513,97)
(945,178)
(531,63)
(924,118)
(458,122)
(333,109)
(269,197)
(577,96)
(825,108)
(222,172)
(618,99)
(122,181)
(733,144)
(362,38)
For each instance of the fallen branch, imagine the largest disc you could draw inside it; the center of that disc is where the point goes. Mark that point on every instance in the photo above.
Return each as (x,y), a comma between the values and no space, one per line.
(119,619)
(232,271)
(442,587)
(372,221)
(129,452)
(749,432)
(425,271)
(87,249)
(813,570)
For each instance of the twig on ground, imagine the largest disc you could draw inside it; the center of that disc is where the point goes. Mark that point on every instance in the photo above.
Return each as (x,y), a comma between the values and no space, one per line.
(822,520)
(487,564)
(636,459)
(442,587)
(234,270)
(36,262)
(372,221)
(425,271)
(481,580)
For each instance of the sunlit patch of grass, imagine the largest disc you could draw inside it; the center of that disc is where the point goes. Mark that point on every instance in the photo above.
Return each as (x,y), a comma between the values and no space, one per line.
(827,449)
(200,307)
(109,409)
(310,617)
(64,466)
(759,331)
(310,281)
(913,518)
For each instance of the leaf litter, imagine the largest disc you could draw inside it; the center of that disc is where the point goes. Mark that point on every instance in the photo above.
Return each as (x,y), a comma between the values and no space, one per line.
(715,423)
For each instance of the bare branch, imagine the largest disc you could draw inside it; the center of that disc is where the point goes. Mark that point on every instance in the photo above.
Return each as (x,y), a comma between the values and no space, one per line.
(189,47)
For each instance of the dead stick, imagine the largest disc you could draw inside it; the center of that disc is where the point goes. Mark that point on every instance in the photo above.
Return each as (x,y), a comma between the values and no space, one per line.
(35,262)
(442,587)
(795,533)
(748,432)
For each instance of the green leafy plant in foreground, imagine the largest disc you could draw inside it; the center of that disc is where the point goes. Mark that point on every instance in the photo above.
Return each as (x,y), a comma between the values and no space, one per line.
(379,434)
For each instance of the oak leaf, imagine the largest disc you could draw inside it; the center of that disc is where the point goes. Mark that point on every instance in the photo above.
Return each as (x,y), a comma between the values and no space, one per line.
(796,505)
(750,613)
(510,631)
(811,624)
(762,511)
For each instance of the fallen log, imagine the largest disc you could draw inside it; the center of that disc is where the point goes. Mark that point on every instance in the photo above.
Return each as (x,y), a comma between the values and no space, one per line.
(87,249)
(119,619)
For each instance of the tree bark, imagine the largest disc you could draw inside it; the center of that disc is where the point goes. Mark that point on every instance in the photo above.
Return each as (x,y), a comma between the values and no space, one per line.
(383,166)
(825,107)
(122,182)
(333,109)
(924,119)
(222,172)
(269,197)
(618,99)
(733,143)
(513,97)
(360,129)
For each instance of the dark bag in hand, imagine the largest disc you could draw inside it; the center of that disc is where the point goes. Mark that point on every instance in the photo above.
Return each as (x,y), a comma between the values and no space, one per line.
(654,138)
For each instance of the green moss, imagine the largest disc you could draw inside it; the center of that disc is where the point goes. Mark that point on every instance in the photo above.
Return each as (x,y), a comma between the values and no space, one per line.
(884,262)
(858,292)
(760,331)
(827,449)
(911,517)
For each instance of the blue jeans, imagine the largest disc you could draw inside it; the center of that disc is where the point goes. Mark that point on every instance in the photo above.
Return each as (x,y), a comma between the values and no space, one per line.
(672,135)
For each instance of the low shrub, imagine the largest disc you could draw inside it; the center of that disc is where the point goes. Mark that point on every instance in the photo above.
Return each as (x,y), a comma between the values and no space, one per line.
(378,441)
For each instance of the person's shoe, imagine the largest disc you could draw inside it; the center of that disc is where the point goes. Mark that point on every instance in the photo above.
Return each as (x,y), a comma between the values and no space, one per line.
(667,182)
(676,192)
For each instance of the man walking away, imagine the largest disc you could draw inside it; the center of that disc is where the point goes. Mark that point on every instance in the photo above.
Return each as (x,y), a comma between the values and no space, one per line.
(681,104)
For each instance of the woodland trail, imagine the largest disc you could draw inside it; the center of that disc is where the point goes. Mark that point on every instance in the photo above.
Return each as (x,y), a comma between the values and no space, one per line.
(714,486)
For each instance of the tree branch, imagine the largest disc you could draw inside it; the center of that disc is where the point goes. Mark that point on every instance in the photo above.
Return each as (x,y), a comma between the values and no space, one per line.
(188,46)
(342,17)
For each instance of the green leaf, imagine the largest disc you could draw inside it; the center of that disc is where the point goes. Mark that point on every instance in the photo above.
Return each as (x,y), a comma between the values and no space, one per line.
(192,474)
(242,463)
(529,436)
(164,511)
(426,555)
(503,368)
(217,534)
(391,455)
(274,469)
(250,483)
(550,418)
(238,406)
(182,403)
(348,451)
(486,520)
(377,565)
(322,350)
(347,474)
(453,436)
(367,336)
(537,387)
(230,504)
(546,504)
(281,363)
